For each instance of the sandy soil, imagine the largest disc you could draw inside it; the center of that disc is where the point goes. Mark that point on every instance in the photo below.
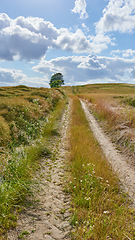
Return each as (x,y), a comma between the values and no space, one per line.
(118,162)
(49,217)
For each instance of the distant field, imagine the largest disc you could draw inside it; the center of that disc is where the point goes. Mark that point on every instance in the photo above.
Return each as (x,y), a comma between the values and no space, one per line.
(108,88)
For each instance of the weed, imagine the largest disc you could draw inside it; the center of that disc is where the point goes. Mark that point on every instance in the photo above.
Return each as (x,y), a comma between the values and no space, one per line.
(24,233)
(63,210)
(130,101)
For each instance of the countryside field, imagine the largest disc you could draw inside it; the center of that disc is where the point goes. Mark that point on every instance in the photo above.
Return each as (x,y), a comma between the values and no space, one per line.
(32,130)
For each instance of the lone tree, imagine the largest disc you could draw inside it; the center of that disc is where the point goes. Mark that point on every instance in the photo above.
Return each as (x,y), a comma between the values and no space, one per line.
(56,80)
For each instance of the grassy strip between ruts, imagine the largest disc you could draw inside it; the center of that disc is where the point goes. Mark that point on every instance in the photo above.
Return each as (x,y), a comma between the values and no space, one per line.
(100,211)
(16,176)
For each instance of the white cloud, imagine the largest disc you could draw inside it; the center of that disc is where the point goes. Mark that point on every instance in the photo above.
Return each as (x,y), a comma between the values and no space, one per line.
(37,25)
(128,53)
(22,43)
(4,21)
(25,38)
(36,81)
(76,70)
(11,76)
(117,16)
(80,7)
(16,77)
(76,42)
(92,68)
(30,38)
(133,74)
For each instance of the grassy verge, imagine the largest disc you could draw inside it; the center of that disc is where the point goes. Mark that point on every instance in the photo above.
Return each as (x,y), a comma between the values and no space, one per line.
(117,116)
(17,170)
(100,211)
(23,112)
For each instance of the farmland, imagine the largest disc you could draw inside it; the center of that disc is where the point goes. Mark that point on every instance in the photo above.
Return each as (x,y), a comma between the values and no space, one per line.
(31,132)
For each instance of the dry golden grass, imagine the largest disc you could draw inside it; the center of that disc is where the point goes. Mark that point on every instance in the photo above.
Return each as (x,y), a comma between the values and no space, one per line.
(24,110)
(4,132)
(117,117)
(100,211)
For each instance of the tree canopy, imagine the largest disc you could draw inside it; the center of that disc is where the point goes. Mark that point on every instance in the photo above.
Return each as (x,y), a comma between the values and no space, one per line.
(56,80)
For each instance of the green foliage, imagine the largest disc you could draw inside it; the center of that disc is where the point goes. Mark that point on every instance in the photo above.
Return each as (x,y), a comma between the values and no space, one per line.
(130,101)
(56,80)
(24,233)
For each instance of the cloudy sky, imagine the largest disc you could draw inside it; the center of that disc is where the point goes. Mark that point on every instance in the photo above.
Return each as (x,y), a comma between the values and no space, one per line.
(88,41)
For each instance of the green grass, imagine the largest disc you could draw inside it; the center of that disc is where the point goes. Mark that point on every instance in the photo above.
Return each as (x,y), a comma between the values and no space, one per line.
(100,211)
(18,165)
(17,180)
(130,101)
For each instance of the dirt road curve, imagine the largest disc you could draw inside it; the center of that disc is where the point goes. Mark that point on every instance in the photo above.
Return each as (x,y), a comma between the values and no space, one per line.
(119,164)
(49,218)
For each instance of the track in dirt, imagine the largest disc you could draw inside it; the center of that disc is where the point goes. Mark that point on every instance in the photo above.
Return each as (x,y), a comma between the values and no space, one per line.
(49,218)
(118,162)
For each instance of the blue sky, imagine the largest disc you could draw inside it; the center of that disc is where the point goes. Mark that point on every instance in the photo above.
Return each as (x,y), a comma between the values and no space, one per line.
(87,41)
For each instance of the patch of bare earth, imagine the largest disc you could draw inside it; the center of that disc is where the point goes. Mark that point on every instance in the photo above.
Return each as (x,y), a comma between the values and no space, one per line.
(118,161)
(49,217)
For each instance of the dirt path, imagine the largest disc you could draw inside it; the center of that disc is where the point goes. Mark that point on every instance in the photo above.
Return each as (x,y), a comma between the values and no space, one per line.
(119,163)
(49,217)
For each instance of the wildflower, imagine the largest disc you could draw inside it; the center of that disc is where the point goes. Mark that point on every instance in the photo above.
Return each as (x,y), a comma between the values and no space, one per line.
(106,212)
(101,178)
(87,199)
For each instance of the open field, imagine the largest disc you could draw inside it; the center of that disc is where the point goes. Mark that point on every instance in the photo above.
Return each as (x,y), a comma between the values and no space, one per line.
(31,141)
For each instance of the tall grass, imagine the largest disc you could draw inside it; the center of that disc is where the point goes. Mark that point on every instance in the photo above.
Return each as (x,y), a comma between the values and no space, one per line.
(4,132)
(23,116)
(18,166)
(117,116)
(100,211)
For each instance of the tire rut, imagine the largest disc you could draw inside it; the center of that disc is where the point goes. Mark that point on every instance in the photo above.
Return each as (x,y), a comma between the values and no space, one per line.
(118,162)
(49,218)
